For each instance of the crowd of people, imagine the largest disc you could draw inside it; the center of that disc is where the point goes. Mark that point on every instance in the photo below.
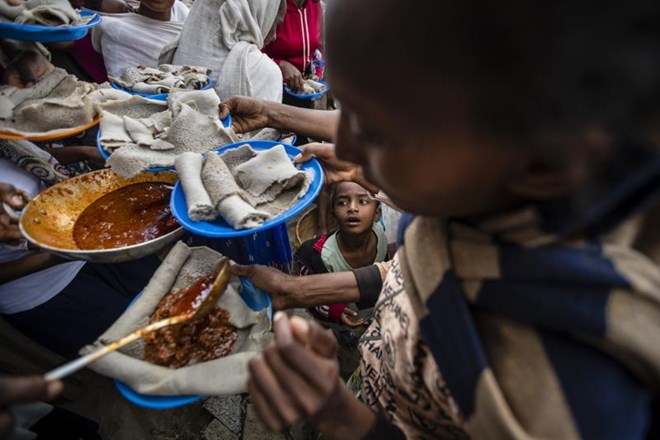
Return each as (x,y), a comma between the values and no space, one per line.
(516,140)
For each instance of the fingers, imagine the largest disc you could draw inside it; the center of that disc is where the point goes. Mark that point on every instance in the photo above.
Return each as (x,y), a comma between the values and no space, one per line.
(27,389)
(298,82)
(13,197)
(312,335)
(300,358)
(241,270)
(225,109)
(347,316)
(310,150)
(274,406)
(288,381)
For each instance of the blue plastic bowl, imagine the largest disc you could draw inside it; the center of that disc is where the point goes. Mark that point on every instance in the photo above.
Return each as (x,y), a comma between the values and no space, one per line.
(219,228)
(312,96)
(255,298)
(157,96)
(48,34)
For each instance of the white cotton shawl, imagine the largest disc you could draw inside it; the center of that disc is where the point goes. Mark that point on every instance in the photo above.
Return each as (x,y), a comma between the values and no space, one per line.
(227,36)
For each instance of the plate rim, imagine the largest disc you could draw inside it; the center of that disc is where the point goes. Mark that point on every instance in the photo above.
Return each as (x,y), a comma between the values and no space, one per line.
(310,96)
(32,32)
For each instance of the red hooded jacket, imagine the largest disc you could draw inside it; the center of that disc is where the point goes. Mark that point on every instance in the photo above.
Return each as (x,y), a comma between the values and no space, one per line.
(298,37)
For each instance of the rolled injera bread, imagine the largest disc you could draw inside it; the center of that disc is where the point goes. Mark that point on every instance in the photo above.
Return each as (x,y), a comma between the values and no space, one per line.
(227,196)
(189,168)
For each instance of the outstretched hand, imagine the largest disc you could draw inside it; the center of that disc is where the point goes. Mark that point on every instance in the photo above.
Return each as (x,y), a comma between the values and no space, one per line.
(335,169)
(247,114)
(297,377)
(26,69)
(15,390)
(292,76)
(9,231)
(349,318)
(270,280)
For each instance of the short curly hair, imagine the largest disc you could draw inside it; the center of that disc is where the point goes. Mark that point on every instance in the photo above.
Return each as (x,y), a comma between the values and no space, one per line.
(525,69)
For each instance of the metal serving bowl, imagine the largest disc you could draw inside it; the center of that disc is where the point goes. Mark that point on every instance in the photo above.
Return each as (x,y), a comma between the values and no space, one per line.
(48,220)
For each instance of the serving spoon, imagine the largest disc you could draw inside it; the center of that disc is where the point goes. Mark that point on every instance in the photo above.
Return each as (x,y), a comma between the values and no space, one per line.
(189,312)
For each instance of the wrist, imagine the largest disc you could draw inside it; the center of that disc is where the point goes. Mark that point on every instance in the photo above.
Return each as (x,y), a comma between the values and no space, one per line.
(291,291)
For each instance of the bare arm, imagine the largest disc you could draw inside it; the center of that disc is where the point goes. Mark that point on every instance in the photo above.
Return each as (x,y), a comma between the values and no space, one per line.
(289,291)
(13,270)
(250,114)
(361,286)
(318,124)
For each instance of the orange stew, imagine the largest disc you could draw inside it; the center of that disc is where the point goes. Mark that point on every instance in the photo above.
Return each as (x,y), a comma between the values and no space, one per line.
(130,215)
(210,337)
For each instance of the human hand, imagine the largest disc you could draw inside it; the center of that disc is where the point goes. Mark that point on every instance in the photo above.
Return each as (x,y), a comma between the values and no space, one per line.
(297,377)
(335,170)
(76,153)
(347,316)
(275,282)
(14,390)
(247,114)
(9,232)
(292,76)
(115,6)
(26,69)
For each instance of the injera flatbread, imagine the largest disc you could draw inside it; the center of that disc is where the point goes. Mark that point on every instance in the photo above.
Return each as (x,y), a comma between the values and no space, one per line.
(58,102)
(273,185)
(189,168)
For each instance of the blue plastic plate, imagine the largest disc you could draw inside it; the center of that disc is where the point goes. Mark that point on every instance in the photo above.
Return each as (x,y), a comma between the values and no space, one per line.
(225,122)
(219,228)
(312,96)
(157,96)
(48,34)
(255,298)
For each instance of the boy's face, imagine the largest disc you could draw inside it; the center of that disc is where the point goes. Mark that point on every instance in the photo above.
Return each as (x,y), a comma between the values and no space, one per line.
(443,167)
(158,5)
(354,210)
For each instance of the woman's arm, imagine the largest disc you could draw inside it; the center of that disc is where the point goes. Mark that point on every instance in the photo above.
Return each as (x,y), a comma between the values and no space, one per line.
(250,114)
(13,270)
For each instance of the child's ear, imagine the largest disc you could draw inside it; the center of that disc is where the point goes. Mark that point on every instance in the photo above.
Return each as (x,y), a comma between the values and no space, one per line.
(378,213)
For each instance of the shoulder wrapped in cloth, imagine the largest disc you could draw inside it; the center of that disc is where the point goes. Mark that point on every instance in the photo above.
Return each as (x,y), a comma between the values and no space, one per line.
(243,186)
(540,324)
(231,46)
(226,375)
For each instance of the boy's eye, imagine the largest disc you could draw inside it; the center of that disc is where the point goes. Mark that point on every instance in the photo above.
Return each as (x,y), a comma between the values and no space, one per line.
(364,202)
(341,203)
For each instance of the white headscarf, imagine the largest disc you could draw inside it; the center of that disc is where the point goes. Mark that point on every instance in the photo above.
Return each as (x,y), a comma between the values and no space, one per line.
(227,36)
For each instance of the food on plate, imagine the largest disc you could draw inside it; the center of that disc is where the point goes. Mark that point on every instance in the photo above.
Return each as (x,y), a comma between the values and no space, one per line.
(156,134)
(57,102)
(164,79)
(243,186)
(209,337)
(311,87)
(42,12)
